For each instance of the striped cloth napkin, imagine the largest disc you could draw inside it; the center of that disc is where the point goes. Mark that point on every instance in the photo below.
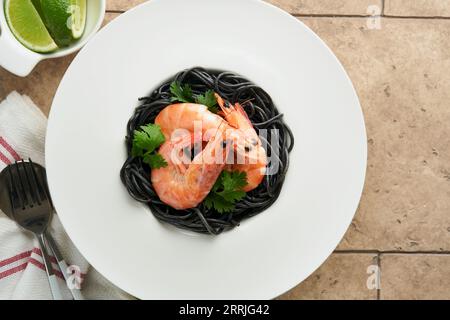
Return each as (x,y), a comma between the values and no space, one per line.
(22,272)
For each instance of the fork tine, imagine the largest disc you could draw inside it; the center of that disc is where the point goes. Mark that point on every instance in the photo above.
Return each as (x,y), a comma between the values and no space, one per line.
(38,178)
(14,195)
(45,186)
(25,194)
(31,181)
(17,195)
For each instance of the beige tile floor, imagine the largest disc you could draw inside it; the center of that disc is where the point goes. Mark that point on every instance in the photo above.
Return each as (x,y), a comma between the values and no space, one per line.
(398,246)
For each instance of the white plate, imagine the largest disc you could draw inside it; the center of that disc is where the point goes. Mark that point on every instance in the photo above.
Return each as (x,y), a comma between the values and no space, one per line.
(266,255)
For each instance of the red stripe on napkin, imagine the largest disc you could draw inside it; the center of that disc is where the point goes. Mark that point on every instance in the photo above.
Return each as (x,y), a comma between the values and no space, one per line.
(23,266)
(39,252)
(23,255)
(41,266)
(11,271)
(4,159)
(10,149)
(27,254)
(18,257)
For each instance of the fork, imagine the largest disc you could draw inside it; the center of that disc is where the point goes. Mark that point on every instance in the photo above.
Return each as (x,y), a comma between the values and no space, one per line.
(32,210)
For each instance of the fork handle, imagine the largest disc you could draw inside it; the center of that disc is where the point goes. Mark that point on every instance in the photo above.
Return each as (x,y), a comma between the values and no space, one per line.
(63,267)
(52,280)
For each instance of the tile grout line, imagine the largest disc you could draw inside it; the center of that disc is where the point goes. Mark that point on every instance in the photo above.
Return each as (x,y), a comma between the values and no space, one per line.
(417,17)
(379,276)
(328,15)
(383,5)
(300,15)
(381,252)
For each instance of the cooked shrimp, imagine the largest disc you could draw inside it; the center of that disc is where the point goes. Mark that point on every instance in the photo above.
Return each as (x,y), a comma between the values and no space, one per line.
(196,118)
(188,116)
(251,156)
(183,183)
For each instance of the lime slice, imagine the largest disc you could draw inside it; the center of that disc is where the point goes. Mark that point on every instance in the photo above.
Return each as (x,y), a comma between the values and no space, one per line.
(78,11)
(26,25)
(57,15)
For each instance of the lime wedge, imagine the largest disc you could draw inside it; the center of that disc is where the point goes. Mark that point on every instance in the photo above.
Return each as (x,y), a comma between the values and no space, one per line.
(78,10)
(26,25)
(57,17)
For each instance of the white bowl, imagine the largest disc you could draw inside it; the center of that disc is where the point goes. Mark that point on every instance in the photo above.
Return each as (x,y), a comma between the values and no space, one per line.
(85,149)
(18,59)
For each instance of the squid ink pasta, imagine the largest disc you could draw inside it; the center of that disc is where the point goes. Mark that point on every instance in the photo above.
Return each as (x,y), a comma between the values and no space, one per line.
(135,174)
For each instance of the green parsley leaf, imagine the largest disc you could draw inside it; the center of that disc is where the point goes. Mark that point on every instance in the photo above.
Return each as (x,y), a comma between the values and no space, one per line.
(234,180)
(145,142)
(155,160)
(209,100)
(147,139)
(181,93)
(227,191)
(232,196)
(218,203)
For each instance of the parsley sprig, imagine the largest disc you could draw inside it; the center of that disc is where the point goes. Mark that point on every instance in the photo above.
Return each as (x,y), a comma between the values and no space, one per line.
(209,100)
(145,142)
(181,93)
(227,190)
(184,93)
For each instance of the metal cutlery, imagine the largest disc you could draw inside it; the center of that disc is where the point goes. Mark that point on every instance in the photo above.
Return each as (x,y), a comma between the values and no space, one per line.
(31,207)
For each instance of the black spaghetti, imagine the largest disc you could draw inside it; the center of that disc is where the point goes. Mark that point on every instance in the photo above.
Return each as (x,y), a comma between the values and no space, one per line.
(135,174)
